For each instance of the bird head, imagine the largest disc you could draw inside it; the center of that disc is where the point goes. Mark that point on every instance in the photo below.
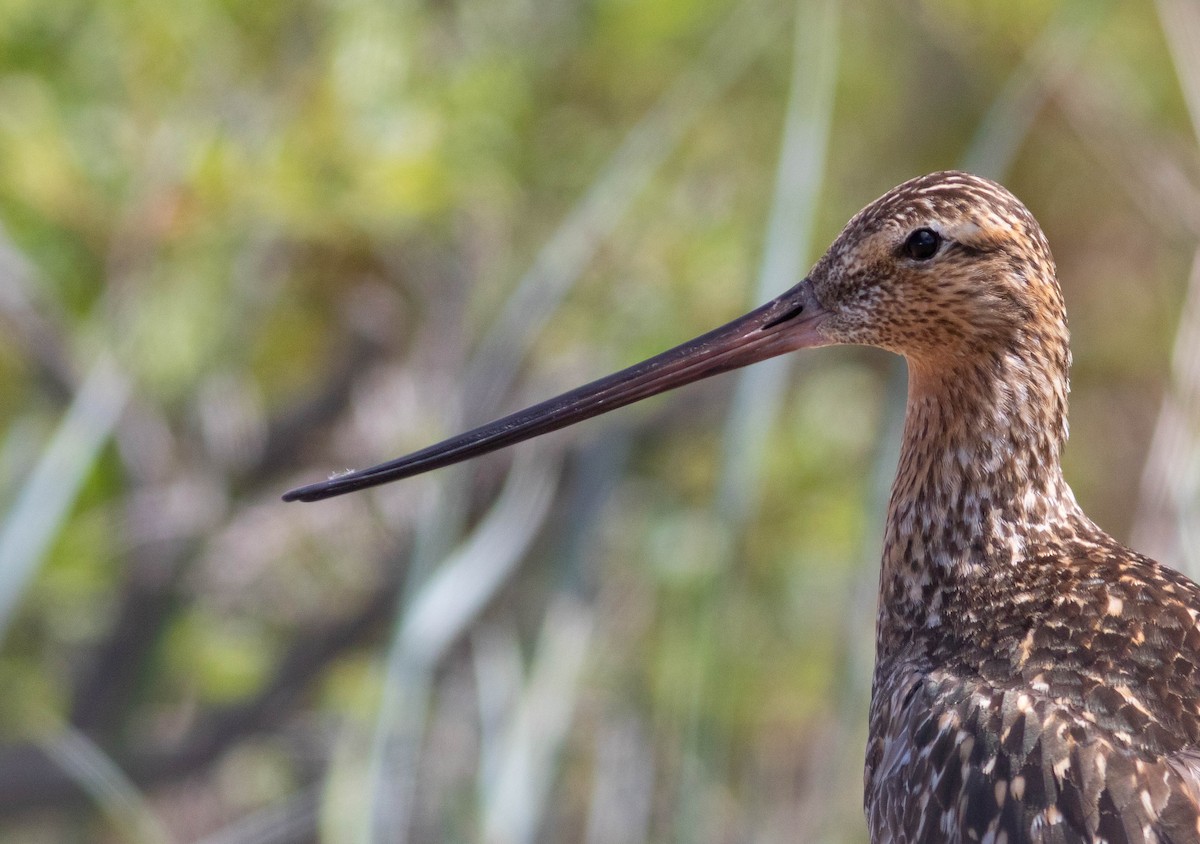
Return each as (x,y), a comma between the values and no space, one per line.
(944,267)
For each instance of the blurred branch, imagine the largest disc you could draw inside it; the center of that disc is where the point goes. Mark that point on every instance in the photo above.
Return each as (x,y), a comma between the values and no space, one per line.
(1167,518)
(1043,68)
(96,773)
(453,596)
(149,591)
(1181,26)
(29,779)
(524,729)
(1165,525)
(37,514)
(622,795)
(439,612)
(290,821)
(1147,166)
(40,337)
(515,798)
(108,676)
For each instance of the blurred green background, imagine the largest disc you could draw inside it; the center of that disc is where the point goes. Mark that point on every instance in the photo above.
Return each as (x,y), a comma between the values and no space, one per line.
(246,244)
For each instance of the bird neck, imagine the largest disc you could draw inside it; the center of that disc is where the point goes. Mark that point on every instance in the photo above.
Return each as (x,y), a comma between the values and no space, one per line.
(979,478)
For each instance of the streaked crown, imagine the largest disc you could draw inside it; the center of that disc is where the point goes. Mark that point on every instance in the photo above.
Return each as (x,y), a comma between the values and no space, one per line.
(944,267)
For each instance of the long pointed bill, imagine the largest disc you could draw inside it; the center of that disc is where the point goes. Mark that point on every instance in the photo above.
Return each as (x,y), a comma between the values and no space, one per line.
(782,325)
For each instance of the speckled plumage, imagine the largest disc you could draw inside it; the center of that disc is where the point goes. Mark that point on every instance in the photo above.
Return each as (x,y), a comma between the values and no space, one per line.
(1035,681)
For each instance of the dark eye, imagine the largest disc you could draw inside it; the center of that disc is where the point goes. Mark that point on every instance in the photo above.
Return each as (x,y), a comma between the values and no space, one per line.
(922,244)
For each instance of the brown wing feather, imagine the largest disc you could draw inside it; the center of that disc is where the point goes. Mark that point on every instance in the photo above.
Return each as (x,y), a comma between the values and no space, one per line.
(986,766)
(1075,720)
